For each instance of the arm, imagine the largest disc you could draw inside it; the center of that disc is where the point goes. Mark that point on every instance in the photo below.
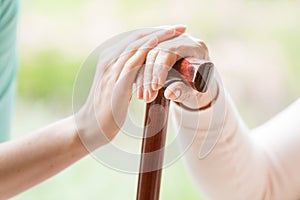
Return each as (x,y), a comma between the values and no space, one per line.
(243,164)
(225,158)
(221,158)
(280,137)
(29,160)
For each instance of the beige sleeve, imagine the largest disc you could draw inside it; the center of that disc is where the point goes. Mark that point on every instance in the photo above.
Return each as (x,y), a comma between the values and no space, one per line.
(230,162)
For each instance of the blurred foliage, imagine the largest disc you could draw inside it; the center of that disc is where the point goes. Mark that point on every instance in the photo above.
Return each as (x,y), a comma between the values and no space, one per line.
(56,6)
(48,75)
(90,180)
(290,42)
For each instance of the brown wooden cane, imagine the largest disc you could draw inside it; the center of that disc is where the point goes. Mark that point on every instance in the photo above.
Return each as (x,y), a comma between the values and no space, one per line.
(197,74)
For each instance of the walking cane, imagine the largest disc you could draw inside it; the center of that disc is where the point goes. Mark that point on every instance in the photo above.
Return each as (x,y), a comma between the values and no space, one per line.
(197,74)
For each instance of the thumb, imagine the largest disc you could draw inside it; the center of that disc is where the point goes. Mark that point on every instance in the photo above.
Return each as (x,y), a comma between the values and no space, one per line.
(182,93)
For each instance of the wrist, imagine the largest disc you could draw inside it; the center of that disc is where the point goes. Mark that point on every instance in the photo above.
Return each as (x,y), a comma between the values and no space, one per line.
(90,133)
(77,145)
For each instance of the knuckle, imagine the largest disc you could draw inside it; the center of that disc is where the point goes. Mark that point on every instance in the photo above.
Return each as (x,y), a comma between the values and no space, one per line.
(128,66)
(148,72)
(160,68)
(147,80)
(157,70)
(131,66)
(198,52)
(163,59)
(148,69)
(141,35)
(203,45)
(185,96)
(131,47)
(139,81)
(170,31)
(204,48)
(147,76)
(156,73)
(105,79)
(175,48)
(143,48)
(184,47)
(138,35)
(163,54)
(151,55)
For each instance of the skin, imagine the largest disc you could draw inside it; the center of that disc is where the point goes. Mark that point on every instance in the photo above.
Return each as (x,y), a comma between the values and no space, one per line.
(29,160)
(159,62)
(271,149)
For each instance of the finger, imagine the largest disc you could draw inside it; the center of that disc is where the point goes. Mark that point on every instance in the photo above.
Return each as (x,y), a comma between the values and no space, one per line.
(156,73)
(171,32)
(155,37)
(203,46)
(163,63)
(151,96)
(124,45)
(141,33)
(148,74)
(149,93)
(197,48)
(161,35)
(113,47)
(137,59)
(144,45)
(126,39)
(182,93)
(139,83)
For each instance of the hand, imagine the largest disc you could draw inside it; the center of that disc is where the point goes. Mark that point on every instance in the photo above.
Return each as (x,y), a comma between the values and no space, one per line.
(104,112)
(158,63)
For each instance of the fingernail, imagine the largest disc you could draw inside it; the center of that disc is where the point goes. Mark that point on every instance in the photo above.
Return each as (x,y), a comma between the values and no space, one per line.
(140,93)
(155,83)
(153,43)
(146,95)
(175,95)
(180,28)
(159,83)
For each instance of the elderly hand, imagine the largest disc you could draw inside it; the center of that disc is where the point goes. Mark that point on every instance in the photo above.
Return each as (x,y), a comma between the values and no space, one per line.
(159,62)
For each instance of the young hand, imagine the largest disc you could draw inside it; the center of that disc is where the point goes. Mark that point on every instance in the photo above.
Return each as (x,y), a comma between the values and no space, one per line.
(106,107)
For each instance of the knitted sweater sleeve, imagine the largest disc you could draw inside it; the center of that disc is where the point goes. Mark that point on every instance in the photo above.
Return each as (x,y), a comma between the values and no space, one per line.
(230,162)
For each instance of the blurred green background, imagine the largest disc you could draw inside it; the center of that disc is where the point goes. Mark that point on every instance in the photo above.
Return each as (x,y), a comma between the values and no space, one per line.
(254,44)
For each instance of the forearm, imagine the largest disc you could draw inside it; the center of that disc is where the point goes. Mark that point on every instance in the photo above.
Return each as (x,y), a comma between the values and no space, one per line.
(223,159)
(29,160)
(280,137)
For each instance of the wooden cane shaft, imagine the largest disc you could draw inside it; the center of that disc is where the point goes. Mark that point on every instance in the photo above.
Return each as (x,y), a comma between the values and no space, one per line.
(194,72)
(152,148)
